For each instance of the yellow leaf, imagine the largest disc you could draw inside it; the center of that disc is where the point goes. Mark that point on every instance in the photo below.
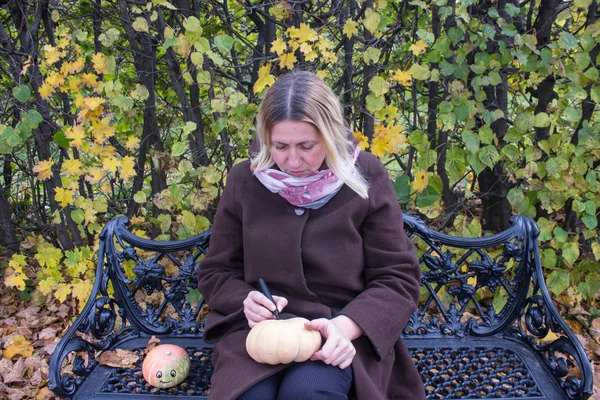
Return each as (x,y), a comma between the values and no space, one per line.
(17,261)
(350,28)
(111,164)
(380,145)
(472,281)
(127,168)
(93,102)
(106,188)
(102,130)
(76,134)
(306,48)
(44,169)
(325,45)
(550,337)
(183,47)
(418,47)
(52,54)
(403,77)
(303,34)
(76,65)
(63,290)
(421,181)
(15,279)
(132,143)
(99,63)
(95,175)
(321,74)
(19,347)
(329,56)
(63,196)
(74,84)
(264,78)
(55,79)
(89,215)
(72,167)
(46,286)
(45,91)
(363,141)
(278,46)
(311,56)
(82,290)
(89,79)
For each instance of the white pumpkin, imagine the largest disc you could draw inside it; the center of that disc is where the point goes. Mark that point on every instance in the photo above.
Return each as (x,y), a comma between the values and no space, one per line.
(282,341)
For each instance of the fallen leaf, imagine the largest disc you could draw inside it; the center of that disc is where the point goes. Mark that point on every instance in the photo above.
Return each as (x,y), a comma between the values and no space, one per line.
(118,358)
(16,373)
(15,394)
(47,333)
(152,343)
(595,327)
(44,394)
(19,346)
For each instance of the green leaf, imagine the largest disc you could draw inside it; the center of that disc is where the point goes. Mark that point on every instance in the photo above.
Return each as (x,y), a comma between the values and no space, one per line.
(571,114)
(21,93)
(515,197)
(471,141)
(560,234)
(549,259)
(419,72)
(140,25)
(179,148)
(524,122)
(402,187)
(379,86)
(428,197)
(164,222)
(371,20)
(32,119)
(140,197)
(456,35)
(570,252)
(567,41)
(192,24)
(202,45)
(558,281)
(589,220)
(489,156)
(125,103)
(486,135)
(374,103)
(541,120)
(223,42)
(61,140)
(512,10)
(77,215)
(461,112)
(371,55)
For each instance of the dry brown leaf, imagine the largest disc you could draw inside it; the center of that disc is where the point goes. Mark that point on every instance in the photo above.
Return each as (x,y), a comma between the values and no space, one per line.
(595,327)
(47,333)
(118,358)
(15,394)
(63,311)
(152,343)
(17,345)
(5,367)
(16,373)
(44,394)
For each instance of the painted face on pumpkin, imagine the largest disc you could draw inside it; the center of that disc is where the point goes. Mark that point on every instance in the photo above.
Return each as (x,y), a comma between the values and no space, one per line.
(166,366)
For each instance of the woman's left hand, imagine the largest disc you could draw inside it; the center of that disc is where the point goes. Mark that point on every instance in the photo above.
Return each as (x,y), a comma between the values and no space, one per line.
(338,349)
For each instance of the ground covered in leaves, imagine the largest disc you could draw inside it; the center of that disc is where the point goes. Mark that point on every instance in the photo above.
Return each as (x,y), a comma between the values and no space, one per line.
(29,333)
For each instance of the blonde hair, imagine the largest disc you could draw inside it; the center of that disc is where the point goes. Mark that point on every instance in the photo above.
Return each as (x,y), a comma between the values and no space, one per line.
(301,96)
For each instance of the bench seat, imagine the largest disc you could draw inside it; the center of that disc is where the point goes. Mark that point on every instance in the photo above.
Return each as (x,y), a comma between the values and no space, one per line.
(462,346)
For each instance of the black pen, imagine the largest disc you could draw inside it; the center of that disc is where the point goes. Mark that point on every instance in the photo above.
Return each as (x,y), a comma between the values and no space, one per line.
(267,293)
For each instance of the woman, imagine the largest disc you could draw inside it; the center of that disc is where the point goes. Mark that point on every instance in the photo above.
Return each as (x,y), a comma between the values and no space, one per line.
(320,222)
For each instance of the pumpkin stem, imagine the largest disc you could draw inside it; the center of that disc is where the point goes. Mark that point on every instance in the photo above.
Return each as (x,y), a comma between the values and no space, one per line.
(168,352)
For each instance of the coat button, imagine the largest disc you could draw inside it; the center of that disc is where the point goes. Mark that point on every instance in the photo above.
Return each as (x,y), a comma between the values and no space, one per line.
(299,211)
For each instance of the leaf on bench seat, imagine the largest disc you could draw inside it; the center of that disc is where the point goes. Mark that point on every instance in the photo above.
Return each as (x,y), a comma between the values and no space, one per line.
(119,358)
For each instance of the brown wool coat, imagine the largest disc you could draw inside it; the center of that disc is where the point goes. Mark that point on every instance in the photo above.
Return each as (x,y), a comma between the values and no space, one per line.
(349,257)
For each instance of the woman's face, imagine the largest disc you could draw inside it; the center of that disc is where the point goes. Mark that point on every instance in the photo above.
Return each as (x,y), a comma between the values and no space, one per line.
(297,147)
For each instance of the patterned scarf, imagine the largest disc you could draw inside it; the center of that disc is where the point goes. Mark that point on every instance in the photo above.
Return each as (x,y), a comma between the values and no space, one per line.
(312,191)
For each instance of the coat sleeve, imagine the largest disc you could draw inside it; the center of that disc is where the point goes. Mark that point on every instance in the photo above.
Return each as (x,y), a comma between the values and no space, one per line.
(392,272)
(221,273)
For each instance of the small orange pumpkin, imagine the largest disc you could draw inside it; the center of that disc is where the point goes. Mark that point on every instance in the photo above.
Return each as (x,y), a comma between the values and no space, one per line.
(282,341)
(166,365)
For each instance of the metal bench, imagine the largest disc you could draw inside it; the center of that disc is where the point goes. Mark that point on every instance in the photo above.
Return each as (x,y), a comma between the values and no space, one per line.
(462,346)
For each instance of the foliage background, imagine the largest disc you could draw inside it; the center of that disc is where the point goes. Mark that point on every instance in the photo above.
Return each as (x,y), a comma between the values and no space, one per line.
(479,110)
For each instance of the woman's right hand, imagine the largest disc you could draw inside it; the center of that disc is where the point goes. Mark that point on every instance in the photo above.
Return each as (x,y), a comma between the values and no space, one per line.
(258,308)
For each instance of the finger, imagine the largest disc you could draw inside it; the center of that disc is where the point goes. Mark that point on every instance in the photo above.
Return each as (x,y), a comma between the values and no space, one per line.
(346,363)
(263,301)
(317,325)
(281,302)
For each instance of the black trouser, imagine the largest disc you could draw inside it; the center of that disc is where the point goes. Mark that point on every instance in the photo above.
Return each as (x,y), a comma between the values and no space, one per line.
(311,380)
